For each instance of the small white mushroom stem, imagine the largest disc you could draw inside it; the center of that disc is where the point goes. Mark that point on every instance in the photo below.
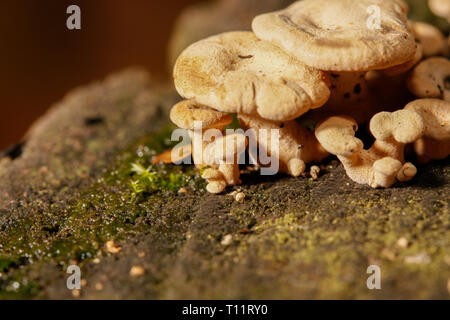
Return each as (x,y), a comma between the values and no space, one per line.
(199,146)
(222,156)
(295,147)
(226,173)
(230,173)
(377,166)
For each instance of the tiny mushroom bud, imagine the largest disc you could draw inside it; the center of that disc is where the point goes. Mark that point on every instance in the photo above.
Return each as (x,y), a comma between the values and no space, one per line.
(216,180)
(212,174)
(431,79)
(111,247)
(136,271)
(240,196)
(225,152)
(314,172)
(216,186)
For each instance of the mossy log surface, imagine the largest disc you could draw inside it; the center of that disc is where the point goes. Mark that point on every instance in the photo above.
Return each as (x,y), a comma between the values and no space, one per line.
(66,191)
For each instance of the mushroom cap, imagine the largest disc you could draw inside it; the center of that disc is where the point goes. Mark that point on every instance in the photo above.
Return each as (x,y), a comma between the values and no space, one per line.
(337,135)
(406,66)
(429,79)
(335,35)
(225,148)
(435,114)
(185,113)
(405,126)
(440,8)
(431,38)
(237,72)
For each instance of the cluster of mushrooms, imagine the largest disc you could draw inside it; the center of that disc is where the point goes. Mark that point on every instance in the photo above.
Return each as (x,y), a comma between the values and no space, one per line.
(317,71)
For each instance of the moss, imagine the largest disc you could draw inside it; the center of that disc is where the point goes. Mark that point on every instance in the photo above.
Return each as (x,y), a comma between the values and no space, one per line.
(107,210)
(292,238)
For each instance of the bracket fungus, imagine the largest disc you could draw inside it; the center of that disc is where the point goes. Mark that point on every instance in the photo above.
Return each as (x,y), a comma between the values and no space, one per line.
(224,152)
(237,72)
(334,36)
(435,142)
(431,79)
(314,72)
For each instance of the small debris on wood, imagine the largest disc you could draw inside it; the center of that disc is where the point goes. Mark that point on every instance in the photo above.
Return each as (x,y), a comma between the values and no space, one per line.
(227,240)
(421,258)
(239,197)
(99,286)
(182,190)
(137,271)
(402,243)
(76,293)
(112,248)
(314,172)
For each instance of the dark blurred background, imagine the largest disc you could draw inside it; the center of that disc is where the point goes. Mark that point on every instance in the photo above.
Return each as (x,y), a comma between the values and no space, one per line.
(40,59)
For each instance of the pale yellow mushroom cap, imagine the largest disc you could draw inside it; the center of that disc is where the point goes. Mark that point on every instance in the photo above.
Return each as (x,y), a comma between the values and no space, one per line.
(405,126)
(238,73)
(436,117)
(185,113)
(431,79)
(212,174)
(337,136)
(341,35)
(408,65)
(440,8)
(431,38)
